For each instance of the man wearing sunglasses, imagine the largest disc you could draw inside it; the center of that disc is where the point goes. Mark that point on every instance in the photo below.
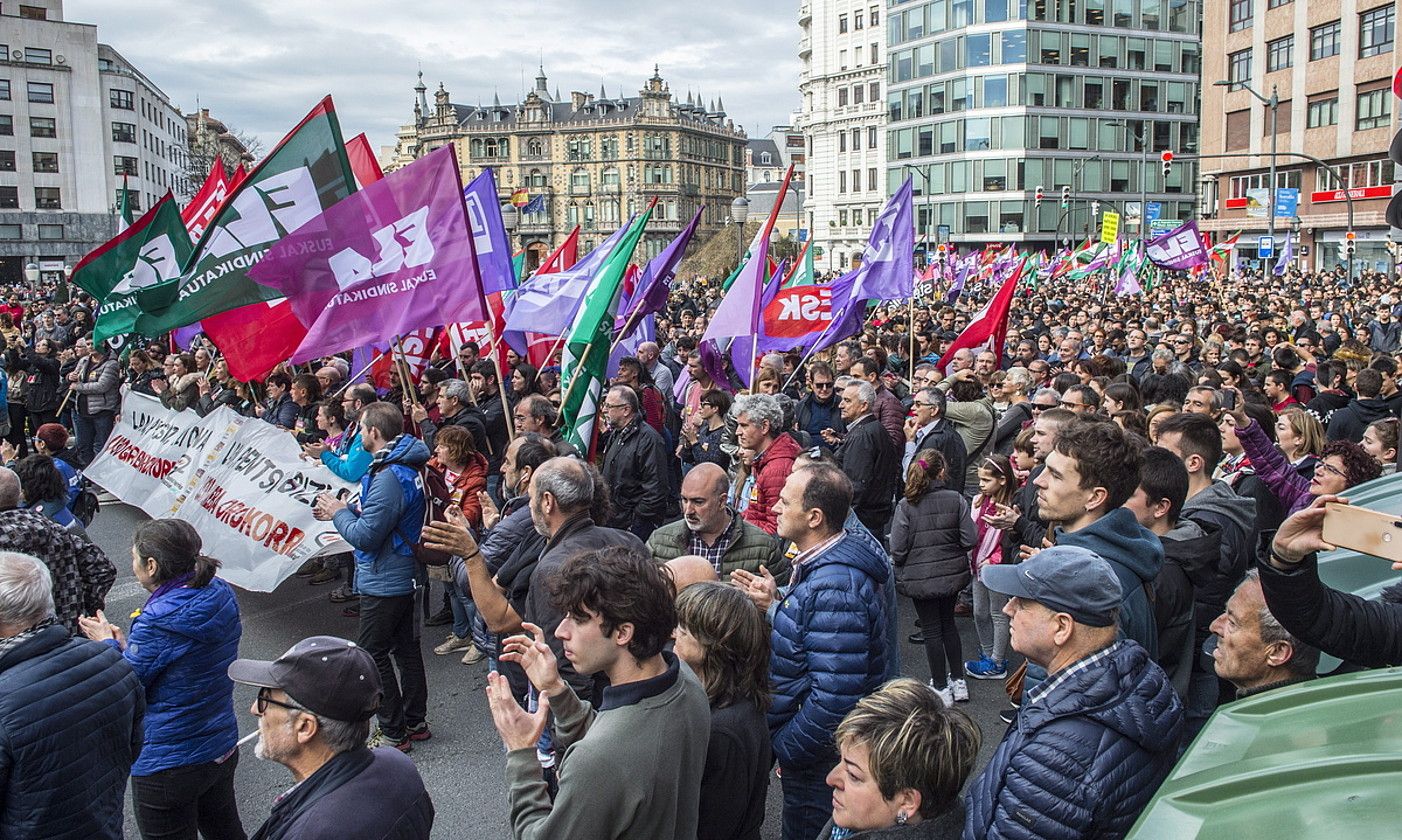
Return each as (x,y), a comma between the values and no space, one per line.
(314,706)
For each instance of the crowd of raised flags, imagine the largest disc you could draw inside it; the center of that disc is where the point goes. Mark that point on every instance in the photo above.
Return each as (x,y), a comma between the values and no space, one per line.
(316,252)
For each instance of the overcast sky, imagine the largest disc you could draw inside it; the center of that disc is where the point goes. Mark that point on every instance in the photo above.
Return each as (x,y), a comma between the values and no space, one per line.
(261,65)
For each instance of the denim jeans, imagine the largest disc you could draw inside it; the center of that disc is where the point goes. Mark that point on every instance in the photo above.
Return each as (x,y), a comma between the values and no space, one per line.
(990,621)
(464,611)
(92,431)
(178,803)
(807,801)
(389,632)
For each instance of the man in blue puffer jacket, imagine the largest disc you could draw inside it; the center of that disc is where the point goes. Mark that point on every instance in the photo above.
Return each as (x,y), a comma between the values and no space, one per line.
(1091,743)
(383,532)
(829,639)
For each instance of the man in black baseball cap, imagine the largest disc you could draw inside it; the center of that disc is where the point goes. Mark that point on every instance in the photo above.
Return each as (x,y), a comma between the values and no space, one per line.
(314,706)
(1105,709)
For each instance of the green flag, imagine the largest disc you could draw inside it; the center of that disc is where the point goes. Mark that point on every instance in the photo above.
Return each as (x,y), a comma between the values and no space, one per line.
(307,173)
(586,352)
(804,276)
(149,251)
(124,208)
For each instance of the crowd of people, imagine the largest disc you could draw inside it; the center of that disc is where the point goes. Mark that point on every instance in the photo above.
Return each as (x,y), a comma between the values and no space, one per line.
(1125,499)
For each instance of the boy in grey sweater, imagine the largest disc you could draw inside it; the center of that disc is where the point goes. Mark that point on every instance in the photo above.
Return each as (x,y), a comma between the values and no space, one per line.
(653,724)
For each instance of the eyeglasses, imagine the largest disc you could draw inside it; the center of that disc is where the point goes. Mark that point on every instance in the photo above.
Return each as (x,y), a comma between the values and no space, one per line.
(922,405)
(614,405)
(265,699)
(1332,470)
(1036,407)
(1072,405)
(817,385)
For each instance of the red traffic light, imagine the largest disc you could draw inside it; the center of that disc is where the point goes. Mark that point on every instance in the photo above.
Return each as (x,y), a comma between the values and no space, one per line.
(1166,157)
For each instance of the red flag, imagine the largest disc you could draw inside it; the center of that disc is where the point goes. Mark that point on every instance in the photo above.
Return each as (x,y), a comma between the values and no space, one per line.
(989,328)
(201,209)
(255,338)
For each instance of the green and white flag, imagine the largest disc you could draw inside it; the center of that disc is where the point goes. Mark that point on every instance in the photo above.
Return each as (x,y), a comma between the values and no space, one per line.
(147,252)
(124,208)
(586,351)
(306,174)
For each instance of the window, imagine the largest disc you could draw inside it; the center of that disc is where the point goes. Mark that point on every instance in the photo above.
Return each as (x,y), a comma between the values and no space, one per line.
(871,137)
(856,180)
(46,161)
(1375,31)
(579,181)
(842,23)
(124,165)
(43,127)
(7,125)
(123,132)
(1368,173)
(50,232)
(47,198)
(842,141)
(132,198)
(874,53)
(1324,40)
(7,161)
(1239,69)
(40,92)
(875,16)
(842,96)
(871,179)
(9,198)
(1374,109)
(1322,113)
(1238,15)
(121,99)
(34,55)
(1279,53)
(858,94)
(34,12)
(842,180)
(1276,4)
(857,19)
(842,218)
(874,91)
(11,232)
(5,90)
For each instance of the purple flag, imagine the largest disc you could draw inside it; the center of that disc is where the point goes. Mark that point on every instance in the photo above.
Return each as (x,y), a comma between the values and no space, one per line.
(1286,255)
(547,303)
(489,238)
(737,316)
(390,259)
(185,336)
(1180,248)
(645,331)
(887,271)
(650,295)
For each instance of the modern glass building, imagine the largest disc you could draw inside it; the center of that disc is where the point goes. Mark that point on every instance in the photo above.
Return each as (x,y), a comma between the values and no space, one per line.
(989,99)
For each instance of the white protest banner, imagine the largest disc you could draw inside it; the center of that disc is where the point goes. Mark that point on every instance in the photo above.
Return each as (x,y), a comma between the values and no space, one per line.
(241,482)
(149,455)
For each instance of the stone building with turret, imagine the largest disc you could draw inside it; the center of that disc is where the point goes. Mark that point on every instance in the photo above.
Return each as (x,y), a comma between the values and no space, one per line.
(589,160)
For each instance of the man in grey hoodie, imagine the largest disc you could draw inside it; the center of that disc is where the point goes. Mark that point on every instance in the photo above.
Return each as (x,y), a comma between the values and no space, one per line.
(1198,442)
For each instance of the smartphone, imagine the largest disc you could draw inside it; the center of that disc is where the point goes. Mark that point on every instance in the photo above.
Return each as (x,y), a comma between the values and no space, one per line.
(1363,530)
(1229,400)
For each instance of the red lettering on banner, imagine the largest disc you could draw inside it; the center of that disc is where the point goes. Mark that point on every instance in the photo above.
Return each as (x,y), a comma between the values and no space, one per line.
(797,312)
(259,526)
(128,452)
(1327,196)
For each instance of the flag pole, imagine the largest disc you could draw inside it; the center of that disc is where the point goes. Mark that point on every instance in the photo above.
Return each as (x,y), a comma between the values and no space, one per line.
(575,380)
(910,328)
(405,380)
(501,386)
(351,380)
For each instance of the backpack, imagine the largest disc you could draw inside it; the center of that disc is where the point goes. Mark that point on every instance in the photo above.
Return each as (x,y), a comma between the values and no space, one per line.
(84,508)
(438,497)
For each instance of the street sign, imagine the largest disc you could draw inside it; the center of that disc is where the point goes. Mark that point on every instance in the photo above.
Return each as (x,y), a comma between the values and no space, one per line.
(1155,209)
(803,234)
(1265,247)
(1286,200)
(1109,227)
(1158,226)
(1132,214)
(942,233)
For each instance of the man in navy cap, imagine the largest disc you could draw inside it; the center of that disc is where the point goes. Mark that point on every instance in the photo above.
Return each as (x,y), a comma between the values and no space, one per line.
(1093,741)
(314,707)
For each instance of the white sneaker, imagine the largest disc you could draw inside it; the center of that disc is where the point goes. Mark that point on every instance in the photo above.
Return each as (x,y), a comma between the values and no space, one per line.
(960,690)
(473,656)
(946,694)
(453,644)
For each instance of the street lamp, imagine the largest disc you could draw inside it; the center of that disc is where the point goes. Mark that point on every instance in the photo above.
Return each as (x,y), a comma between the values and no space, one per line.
(740,212)
(929,203)
(1141,139)
(1274,104)
(31,274)
(510,217)
(1295,225)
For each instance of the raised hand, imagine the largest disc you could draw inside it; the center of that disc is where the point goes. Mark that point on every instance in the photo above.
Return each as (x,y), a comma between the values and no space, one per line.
(519,729)
(535,658)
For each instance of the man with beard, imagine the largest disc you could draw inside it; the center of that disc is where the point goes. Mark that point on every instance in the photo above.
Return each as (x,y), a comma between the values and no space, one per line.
(313,707)
(709,528)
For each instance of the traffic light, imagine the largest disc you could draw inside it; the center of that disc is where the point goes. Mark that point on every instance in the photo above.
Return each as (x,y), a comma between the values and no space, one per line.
(1349,243)
(1167,158)
(1065,198)
(1038,198)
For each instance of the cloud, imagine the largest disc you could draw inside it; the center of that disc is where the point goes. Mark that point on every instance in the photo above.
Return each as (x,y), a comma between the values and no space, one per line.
(260,65)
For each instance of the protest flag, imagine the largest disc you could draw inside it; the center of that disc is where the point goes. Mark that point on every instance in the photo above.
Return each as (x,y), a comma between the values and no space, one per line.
(201,209)
(735,325)
(390,259)
(589,337)
(655,284)
(989,327)
(149,251)
(304,175)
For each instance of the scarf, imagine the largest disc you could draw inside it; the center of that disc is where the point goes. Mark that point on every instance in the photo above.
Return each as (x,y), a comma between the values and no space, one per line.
(7,645)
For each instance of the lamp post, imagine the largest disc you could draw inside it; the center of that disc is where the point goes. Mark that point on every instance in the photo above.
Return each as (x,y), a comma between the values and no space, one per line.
(31,275)
(1295,228)
(510,219)
(1274,104)
(740,212)
(929,203)
(1142,140)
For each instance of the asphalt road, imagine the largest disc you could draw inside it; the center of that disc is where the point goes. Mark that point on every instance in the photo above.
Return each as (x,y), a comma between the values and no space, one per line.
(462,764)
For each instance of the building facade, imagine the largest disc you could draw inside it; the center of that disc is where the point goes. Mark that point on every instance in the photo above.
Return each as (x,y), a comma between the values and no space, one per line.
(590,161)
(989,99)
(1330,66)
(842,49)
(74,118)
(210,140)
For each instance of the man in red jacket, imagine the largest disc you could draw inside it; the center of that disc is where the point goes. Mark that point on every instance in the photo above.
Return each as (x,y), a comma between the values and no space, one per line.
(759,426)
